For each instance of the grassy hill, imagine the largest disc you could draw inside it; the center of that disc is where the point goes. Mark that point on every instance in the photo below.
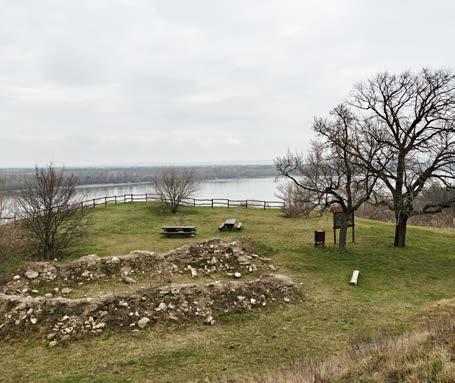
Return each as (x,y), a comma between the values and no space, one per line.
(399,291)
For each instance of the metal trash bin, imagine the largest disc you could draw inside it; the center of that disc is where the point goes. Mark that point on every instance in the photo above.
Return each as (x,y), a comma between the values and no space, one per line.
(319,237)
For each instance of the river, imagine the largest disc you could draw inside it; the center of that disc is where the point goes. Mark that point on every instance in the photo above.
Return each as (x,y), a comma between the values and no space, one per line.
(250,188)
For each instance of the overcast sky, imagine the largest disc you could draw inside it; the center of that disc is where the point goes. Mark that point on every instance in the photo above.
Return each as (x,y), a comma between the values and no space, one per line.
(141,81)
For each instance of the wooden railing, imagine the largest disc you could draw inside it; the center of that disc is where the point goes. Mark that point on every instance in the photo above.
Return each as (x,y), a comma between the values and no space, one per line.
(147,197)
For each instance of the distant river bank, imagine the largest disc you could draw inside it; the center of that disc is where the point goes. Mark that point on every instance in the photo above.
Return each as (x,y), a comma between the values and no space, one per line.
(248,188)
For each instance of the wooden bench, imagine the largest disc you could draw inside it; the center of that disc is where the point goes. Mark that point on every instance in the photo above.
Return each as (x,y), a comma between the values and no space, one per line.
(230,224)
(179,231)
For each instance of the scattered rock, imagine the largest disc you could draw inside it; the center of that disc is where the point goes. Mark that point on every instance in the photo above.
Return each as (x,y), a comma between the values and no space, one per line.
(143,322)
(31,274)
(161,307)
(127,279)
(243,260)
(16,277)
(209,320)
(65,319)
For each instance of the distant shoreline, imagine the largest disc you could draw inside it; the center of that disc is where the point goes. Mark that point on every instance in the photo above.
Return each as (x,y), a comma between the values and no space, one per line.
(101,185)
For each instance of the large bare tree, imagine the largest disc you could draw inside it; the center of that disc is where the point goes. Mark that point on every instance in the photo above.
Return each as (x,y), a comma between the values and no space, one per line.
(330,173)
(174,185)
(50,211)
(412,117)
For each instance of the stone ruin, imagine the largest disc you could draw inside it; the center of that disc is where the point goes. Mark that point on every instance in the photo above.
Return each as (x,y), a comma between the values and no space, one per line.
(35,300)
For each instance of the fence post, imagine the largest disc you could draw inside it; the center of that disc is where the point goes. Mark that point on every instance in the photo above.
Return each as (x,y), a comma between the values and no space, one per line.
(146,197)
(246,204)
(194,201)
(212,202)
(264,204)
(131,197)
(94,204)
(115,200)
(105,201)
(228,202)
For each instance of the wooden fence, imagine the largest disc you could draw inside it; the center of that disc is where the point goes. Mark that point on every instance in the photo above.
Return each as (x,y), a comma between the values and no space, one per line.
(147,197)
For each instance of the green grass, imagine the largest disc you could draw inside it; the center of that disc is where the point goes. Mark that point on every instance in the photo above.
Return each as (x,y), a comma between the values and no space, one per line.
(397,289)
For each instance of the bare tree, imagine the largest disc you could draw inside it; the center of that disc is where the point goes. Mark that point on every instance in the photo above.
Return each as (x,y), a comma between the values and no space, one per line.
(50,212)
(330,173)
(412,117)
(297,201)
(174,185)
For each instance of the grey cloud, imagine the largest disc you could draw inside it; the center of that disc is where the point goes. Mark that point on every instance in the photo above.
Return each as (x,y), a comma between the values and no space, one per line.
(134,81)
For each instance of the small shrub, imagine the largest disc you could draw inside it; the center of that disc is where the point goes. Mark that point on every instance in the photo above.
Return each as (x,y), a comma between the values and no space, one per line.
(297,202)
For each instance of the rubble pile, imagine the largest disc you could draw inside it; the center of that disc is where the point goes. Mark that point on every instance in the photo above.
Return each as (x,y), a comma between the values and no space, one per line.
(202,258)
(61,320)
(212,256)
(37,300)
(85,269)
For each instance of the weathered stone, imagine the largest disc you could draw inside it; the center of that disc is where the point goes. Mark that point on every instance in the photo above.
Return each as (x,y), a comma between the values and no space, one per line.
(161,307)
(143,322)
(16,277)
(237,274)
(31,274)
(33,320)
(243,260)
(90,260)
(53,343)
(128,280)
(209,320)
(66,290)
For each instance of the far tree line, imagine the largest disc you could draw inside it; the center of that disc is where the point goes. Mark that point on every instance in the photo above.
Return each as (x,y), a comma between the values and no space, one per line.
(390,142)
(17,179)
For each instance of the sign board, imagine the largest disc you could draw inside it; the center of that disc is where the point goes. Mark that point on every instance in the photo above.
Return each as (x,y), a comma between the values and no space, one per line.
(338,216)
(338,219)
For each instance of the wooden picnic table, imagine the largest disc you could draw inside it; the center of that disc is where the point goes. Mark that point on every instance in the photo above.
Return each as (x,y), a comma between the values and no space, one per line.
(179,231)
(231,224)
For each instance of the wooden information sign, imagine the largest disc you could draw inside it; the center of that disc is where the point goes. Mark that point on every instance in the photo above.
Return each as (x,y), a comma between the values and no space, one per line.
(338,216)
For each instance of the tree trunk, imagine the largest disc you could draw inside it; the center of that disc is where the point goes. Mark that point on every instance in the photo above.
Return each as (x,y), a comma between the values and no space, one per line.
(343,236)
(343,232)
(400,230)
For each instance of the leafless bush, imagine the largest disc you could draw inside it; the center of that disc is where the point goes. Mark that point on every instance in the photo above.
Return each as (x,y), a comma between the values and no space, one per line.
(433,196)
(297,202)
(50,212)
(174,185)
